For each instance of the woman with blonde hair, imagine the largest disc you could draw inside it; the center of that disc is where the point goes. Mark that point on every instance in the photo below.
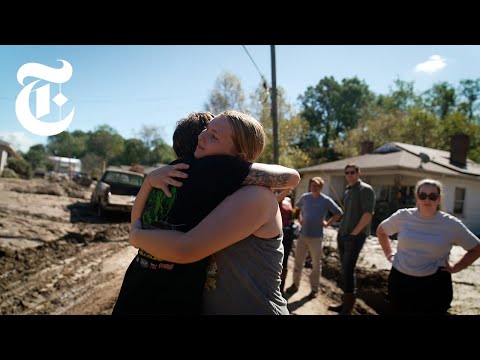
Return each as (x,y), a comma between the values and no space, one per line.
(420,280)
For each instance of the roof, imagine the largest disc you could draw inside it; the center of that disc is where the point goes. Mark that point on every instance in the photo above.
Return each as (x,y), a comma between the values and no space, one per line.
(8,147)
(401,156)
(440,157)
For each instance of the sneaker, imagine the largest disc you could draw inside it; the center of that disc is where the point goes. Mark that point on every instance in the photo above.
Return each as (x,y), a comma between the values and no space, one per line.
(291,290)
(313,294)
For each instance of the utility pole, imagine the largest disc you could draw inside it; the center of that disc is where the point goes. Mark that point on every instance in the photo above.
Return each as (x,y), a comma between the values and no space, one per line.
(274,107)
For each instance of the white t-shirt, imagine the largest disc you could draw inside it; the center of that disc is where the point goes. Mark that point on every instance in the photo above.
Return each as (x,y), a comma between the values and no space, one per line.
(424,244)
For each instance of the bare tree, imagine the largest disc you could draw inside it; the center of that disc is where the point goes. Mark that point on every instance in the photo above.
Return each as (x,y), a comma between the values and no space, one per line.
(227,94)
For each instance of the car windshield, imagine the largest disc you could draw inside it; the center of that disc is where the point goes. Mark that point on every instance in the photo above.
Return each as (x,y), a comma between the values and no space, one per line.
(122,178)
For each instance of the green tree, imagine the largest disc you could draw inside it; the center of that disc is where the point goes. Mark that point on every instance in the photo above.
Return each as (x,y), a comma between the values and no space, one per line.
(150,135)
(37,156)
(419,127)
(403,95)
(158,151)
(226,94)
(292,130)
(162,153)
(20,166)
(332,109)
(60,144)
(134,152)
(457,122)
(91,164)
(73,145)
(79,143)
(440,99)
(319,104)
(469,91)
(106,143)
(378,125)
(292,133)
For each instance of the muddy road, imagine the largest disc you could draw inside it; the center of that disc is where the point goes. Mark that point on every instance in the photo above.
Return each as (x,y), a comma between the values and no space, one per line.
(56,255)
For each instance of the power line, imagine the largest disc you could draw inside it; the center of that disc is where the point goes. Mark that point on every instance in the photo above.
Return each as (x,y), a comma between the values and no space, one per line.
(265,85)
(273,109)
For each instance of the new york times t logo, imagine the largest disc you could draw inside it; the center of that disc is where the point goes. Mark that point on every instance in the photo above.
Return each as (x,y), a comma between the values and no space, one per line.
(22,105)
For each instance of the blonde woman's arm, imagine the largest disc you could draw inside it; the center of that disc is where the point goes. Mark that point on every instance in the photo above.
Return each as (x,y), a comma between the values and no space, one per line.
(241,214)
(272,176)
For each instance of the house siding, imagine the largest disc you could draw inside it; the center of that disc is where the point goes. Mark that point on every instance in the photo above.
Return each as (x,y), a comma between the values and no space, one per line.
(471,206)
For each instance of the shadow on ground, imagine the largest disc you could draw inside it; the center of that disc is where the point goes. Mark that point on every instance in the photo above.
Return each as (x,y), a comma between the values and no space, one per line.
(85,212)
(372,284)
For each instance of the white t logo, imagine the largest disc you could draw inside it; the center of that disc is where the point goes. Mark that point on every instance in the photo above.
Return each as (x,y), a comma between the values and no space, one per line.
(22,105)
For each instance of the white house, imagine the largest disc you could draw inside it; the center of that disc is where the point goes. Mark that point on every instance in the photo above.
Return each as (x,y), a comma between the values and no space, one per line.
(6,150)
(394,168)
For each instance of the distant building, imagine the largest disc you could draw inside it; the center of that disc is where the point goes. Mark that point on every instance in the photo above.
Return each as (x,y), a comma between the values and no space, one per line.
(66,165)
(6,150)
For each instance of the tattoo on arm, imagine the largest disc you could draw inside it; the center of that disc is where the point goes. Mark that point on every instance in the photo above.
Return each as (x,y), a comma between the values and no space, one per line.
(264,178)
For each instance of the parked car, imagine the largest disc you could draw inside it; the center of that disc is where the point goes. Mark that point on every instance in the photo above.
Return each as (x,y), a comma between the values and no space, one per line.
(116,190)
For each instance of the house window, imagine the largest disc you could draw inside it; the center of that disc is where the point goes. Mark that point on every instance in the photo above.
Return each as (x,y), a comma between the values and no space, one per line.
(459,200)
(381,192)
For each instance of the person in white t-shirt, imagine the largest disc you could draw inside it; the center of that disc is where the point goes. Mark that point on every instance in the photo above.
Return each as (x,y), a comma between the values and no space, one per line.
(420,280)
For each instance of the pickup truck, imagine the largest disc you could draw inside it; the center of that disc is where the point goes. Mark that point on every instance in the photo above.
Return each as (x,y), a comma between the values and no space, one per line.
(116,190)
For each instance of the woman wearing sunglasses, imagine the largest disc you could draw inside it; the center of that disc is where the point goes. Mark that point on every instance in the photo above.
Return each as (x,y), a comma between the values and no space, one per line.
(420,281)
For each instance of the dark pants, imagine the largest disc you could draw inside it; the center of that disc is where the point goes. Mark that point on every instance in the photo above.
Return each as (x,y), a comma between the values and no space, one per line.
(349,247)
(288,237)
(420,295)
(153,287)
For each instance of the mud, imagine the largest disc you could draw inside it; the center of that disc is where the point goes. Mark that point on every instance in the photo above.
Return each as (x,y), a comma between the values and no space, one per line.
(58,257)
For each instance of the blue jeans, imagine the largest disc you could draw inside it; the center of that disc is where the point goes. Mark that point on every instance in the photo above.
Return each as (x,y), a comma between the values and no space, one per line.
(349,247)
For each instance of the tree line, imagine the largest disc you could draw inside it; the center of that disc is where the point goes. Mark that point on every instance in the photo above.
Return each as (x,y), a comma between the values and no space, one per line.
(329,122)
(334,117)
(102,145)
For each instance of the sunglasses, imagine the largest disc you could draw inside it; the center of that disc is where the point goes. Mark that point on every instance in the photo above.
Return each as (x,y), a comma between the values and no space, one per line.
(431,196)
(350,172)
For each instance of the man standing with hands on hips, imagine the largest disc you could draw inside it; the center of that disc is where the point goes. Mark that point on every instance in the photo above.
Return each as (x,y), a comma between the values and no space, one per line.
(359,201)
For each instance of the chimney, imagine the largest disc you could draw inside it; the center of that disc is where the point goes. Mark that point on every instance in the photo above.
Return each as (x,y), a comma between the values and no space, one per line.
(459,150)
(366,147)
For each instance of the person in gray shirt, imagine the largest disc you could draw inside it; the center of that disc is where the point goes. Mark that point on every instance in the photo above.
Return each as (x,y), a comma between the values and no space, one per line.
(420,280)
(313,207)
